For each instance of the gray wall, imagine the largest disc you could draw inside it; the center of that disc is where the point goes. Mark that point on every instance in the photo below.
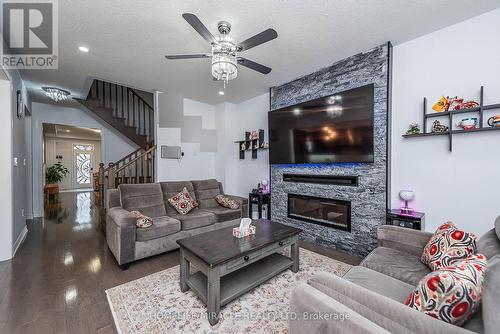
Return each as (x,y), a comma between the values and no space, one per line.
(21,150)
(368,200)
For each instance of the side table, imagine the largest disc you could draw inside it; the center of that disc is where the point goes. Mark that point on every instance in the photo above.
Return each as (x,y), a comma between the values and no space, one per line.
(259,199)
(414,220)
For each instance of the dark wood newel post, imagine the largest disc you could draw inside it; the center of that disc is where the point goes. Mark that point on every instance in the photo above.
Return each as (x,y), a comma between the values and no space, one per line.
(100,175)
(111,176)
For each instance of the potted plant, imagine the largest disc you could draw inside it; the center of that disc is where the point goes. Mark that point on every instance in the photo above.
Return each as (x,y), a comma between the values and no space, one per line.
(54,175)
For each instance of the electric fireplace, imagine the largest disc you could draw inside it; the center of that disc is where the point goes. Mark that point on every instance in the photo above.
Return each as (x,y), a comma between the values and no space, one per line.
(322,211)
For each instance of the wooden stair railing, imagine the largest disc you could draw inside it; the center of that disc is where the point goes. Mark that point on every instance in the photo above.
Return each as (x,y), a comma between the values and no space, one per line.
(137,167)
(123,109)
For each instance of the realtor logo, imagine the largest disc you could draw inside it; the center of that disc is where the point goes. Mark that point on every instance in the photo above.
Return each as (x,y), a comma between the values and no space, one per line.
(29,34)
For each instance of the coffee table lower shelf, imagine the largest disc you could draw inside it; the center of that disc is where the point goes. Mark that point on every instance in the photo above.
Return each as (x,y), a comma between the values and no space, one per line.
(243,280)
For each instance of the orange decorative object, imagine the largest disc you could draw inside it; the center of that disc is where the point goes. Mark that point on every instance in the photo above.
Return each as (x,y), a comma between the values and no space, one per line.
(453,103)
(441,105)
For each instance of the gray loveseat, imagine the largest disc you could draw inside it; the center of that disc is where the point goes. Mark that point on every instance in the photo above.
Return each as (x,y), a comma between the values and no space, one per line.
(128,243)
(373,293)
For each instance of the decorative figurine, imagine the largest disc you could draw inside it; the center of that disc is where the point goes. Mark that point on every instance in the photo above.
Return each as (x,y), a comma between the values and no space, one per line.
(453,103)
(494,121)
(243,147)
(437,127)
(413,129)
(468,123)
(254,135)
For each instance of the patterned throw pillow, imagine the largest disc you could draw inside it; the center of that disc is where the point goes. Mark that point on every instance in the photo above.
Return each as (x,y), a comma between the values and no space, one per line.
(183,202)
(142,220)
(447,245)
(452,294)
(227,202)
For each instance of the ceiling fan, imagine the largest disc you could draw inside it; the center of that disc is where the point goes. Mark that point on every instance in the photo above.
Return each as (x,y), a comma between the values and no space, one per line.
(225,51)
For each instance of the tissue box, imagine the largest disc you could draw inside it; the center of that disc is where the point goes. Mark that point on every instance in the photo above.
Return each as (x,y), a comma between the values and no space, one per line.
(249,231)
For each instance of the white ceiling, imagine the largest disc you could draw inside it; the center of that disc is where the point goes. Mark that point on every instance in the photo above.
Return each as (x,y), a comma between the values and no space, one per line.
(128,40)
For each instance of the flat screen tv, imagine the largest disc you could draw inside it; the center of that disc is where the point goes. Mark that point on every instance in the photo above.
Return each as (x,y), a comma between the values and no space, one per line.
(337,128)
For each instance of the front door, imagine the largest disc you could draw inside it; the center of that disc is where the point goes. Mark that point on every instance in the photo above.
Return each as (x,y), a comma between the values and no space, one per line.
(82,165)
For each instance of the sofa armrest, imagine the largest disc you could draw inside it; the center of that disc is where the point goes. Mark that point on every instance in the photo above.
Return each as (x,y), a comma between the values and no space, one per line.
(121,217)
(403,239)
(120,234)
(387,313)
(311,311)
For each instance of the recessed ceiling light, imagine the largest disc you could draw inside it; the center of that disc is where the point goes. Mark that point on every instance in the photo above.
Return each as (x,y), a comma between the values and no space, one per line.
(221,92)
(83,49)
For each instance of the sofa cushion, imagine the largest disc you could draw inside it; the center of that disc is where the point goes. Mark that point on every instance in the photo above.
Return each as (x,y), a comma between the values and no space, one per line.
(146,198)
(400,265)
(142,221)
(194,219)
(451,294)
(379,283)
(489,244)
(448,245)
(169,189)
(162,226)
(183,202)
(205,191)
(227,202)
(225,214)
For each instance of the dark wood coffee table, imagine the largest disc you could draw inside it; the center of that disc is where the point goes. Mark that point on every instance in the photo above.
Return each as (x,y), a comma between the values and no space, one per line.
(229,267)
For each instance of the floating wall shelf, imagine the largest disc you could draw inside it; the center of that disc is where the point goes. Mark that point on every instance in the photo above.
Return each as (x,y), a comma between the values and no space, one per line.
(251,144)
(449,114)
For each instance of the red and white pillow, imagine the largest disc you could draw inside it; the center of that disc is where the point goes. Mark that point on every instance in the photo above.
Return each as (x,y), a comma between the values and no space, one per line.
(451,294)
(142,221)
(227,202)
(448,245)
(183,202)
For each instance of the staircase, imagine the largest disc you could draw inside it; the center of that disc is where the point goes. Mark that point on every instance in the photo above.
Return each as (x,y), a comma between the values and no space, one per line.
(123,109)
(136,167)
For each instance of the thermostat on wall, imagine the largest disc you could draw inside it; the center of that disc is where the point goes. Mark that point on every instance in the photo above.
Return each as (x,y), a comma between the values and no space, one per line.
(171,152)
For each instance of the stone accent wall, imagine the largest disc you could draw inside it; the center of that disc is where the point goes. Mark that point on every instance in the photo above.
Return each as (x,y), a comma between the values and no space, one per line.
(368,200)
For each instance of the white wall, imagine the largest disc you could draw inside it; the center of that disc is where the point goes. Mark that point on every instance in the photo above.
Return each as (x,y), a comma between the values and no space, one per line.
(241,176)
(6,223)
(195,164)
(463,185)
(18,149)
(114,145)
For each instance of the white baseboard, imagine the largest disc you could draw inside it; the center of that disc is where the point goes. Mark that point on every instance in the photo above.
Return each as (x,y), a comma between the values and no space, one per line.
(20,240)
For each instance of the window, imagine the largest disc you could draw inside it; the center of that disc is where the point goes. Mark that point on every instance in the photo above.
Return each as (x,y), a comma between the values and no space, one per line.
(83,147)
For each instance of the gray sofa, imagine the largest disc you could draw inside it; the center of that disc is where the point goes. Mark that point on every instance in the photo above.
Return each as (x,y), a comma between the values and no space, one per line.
(372,294)
(128,243)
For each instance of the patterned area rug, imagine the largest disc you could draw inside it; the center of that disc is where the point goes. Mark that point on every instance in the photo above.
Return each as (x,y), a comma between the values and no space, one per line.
(154,304)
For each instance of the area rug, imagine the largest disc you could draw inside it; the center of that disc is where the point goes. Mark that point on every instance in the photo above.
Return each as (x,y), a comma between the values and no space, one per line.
(154,304)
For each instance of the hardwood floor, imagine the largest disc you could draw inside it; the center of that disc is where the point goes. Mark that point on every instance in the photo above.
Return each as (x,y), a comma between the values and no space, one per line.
(56,282)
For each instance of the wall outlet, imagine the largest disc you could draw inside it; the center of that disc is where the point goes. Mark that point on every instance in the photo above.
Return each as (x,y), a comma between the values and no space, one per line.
(22,212)
(24,162)
(15,161)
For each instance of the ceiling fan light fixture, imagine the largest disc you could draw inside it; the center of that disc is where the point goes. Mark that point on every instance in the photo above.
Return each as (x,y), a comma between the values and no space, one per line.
(224,62)
(224,67)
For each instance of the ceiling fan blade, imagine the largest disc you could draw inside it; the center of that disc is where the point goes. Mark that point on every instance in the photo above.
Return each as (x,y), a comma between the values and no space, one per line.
(195,22)
(253,65)
(258,39)
(200,55)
